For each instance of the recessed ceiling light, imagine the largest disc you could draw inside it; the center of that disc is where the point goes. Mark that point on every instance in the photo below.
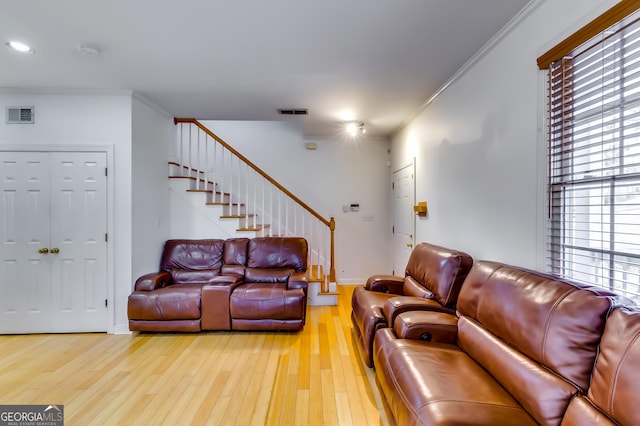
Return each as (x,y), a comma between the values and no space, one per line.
(19,46)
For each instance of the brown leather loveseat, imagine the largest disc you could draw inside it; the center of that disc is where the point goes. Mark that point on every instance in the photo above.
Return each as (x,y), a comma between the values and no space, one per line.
(431,282)
(234,284)
(524,348)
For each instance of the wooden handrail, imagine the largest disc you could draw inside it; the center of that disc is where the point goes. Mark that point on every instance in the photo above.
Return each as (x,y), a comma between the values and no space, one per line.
(254,167)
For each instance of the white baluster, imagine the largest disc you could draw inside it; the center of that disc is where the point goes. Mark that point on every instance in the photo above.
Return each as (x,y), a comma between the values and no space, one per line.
(206,164)
(180,148)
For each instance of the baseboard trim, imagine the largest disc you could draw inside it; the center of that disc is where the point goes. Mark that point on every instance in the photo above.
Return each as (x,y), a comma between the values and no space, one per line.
(121,329)
(352,281)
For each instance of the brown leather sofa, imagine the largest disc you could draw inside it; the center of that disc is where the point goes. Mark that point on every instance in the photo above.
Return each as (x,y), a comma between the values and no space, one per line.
(524,348)
(432,281)
(234,284)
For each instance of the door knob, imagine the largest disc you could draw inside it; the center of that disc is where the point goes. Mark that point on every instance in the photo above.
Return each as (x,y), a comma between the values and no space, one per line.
(55,250)
(409,245)
(43,251)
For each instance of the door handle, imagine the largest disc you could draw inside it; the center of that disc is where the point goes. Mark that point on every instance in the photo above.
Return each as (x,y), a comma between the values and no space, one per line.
(43,251)
(409,245)
(55,250)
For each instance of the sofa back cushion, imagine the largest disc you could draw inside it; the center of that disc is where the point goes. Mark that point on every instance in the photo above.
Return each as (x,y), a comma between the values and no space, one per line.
(435,272)
(615,385)
(556,325)
(542,393)
(278,252)
(235,256)
(192,260)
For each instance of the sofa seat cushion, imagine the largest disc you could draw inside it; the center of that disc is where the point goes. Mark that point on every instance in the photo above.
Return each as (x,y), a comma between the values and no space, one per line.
(437,383)
(175,302)
(582,412)
(267,301)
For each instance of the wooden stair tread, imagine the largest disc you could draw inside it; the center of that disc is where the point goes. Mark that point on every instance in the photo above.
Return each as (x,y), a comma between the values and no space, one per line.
(237,216)
(220,203)
(254,229)
(208,182)
(208,191)
(173,163)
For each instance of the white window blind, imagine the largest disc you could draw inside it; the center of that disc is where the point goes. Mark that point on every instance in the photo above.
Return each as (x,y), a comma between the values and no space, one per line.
(594,161)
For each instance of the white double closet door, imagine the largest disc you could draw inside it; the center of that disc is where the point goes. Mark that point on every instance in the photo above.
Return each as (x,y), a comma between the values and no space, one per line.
(53,249)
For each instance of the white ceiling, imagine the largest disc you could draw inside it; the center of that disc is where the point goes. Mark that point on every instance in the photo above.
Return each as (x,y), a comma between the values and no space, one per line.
(373,60)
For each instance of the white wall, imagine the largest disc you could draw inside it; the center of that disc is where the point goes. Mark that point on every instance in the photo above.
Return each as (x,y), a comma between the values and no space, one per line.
(153,134)
(479,145)
(340,172)
(85,120)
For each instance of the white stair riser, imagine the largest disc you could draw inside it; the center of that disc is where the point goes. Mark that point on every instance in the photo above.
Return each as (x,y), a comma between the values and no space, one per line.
(314,298)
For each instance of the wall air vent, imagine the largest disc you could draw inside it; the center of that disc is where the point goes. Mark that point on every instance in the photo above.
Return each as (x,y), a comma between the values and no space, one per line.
(20,115)
(293,111)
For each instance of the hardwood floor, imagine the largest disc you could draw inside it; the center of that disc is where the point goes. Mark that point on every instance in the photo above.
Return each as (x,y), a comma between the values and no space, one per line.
(313,377)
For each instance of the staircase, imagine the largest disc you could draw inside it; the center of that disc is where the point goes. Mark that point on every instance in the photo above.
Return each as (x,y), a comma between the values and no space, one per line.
(213,185)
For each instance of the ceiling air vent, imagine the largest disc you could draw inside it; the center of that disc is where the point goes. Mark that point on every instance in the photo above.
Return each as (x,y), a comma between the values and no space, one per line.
(292,111)
(19,115)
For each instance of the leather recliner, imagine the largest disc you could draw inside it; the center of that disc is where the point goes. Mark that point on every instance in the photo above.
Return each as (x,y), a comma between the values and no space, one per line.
(273,294)
(432,281)
(170,300)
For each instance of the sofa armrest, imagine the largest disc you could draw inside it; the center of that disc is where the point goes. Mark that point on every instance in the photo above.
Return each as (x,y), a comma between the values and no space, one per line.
(226,279)
(428,326)
(399,304)
(215,305)
(297,280)
(385,284)
(152,281)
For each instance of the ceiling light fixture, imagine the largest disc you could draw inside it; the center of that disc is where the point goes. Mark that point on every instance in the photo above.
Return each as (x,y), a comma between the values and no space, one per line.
(18,46)
(355,128)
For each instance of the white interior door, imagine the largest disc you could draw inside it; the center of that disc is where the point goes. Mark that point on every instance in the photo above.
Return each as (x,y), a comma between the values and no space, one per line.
(25,273)
(78,232)
(403,217)
(53,247)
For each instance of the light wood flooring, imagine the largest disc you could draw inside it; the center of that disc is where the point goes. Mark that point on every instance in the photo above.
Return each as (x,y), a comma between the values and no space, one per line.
(313,377)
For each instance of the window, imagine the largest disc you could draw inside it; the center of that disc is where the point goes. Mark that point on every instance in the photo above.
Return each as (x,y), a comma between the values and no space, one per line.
(594,159)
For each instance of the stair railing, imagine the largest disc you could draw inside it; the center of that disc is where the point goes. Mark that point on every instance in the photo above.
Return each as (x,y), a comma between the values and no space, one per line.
(249,194)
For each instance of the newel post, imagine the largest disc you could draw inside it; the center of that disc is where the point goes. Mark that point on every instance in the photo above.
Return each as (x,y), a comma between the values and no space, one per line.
(332,270)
